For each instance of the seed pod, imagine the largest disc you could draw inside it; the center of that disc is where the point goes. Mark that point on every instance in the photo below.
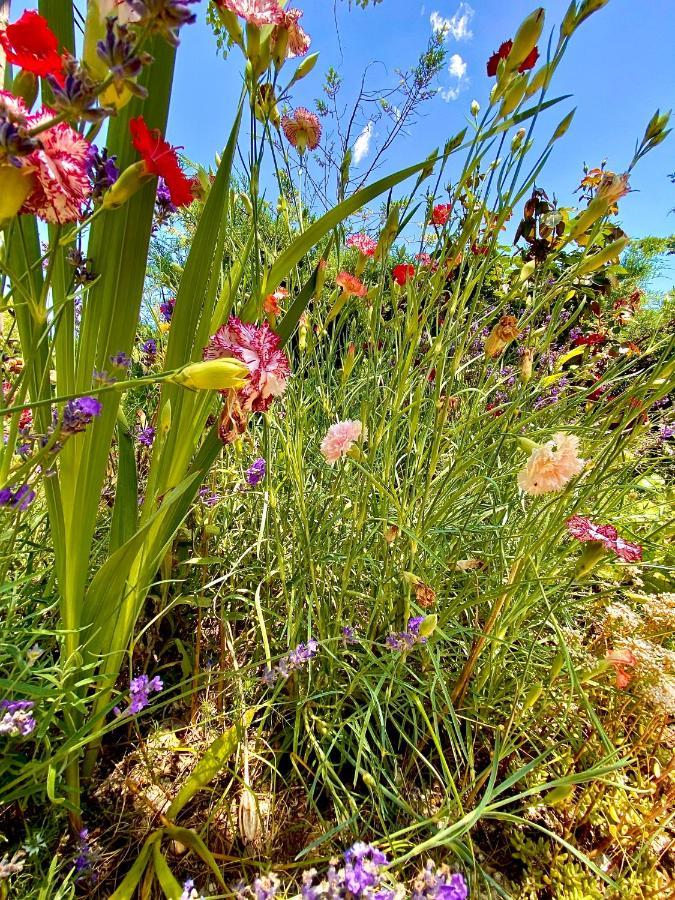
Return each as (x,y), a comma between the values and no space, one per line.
(248,818)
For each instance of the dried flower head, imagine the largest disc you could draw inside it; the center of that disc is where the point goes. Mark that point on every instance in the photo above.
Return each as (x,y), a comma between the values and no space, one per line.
(500,337)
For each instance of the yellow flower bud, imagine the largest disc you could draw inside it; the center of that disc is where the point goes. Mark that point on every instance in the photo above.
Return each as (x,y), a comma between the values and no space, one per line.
(305,67)
(130,181)
(513,96)
(15,185)
(212,375)
(526,39)
(115,97)
(475,108)
(610,253)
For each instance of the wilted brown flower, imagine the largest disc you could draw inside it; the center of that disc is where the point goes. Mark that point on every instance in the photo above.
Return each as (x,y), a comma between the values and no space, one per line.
(425,595)
(501,336)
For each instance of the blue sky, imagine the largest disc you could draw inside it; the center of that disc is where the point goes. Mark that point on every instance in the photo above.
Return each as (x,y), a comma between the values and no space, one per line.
(619,69)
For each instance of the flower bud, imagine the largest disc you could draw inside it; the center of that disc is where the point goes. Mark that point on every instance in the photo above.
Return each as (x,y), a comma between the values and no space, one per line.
(569,22)
(526,39)
(212,375)
(305,67)
(475,108)
(518,139)
(130,181)
(15,185)
(164,423)
(115,97)
(527,445)
(526,361)
(588,7)
(350,360)
(563,125)
(388,234)
(320,278)
(25,86)
(231,25)
(266,105)
(303,325)
(610,253)
(558,795)
(595,210)
(428,626)
(539,80)
(533,695)
(513,96)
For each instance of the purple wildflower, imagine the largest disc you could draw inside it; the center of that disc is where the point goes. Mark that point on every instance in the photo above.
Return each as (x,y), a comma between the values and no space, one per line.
(208,497)
(83,859)
(166,308)
(439,884)
(20,499)
(667,432)
(120,360)
(140,689)
(190,891)
(102,171)
(146,436)
(256,472)
(163,205)
(406,640)
(149,351)
(17,720)
(77,414)
(295,659)
(349,635)
(362,867)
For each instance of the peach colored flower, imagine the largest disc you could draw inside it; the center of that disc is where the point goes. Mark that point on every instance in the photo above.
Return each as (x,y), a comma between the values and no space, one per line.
(619,659)
(351,285)
(302,129)
(272,302)
(551,466)
(340,439)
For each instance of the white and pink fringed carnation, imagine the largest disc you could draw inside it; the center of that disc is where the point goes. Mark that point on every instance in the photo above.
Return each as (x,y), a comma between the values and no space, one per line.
(551,466)
(584,530)
(60,186)
(256,12)
(363,243)
(340,438)
(302,129)
(260,349)
(299,41)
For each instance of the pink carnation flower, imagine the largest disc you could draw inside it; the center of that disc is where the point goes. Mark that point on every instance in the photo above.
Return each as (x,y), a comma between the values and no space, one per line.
(551,466)
(260,348)
(339,440)
(363,243)
(257,12)
(58,169)
(298,40)
(619,659)
(302,129)
(584,530)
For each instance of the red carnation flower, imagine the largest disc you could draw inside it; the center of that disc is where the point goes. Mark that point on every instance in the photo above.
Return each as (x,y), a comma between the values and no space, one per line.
(161,159)
(527,64)
(440,214)
(31,44)
(402,272)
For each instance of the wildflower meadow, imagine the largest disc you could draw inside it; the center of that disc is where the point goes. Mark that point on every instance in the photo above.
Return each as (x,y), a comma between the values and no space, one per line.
(336,534)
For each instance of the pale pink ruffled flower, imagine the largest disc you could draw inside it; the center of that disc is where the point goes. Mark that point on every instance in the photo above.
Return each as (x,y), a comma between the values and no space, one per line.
(260,349)
(302,129)
(363,243)
(257,12)
(551,466)
(339,440)
(619,659)
(298,40)
(62,186)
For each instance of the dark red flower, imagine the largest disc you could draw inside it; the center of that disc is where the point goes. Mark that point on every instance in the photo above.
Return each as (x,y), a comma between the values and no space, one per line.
(161,159)
(402,272)
(479,249)
(528,63)
(590,340)
(440,213)
(31,44)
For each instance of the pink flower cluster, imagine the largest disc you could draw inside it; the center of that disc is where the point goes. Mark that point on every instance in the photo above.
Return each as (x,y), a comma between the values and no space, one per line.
(584,530)
(551,466)
(269,12)
(339,440)
(57,168)
(260,349)
(363,243)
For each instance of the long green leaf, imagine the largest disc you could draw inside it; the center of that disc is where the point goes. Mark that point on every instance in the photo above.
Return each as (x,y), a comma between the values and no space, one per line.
(167,881)
(126,889)
(211,763)
(124,516)
(192,840)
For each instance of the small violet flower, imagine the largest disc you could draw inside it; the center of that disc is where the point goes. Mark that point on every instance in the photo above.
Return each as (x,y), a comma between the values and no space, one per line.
(16,720)
(256,472)
(140,689)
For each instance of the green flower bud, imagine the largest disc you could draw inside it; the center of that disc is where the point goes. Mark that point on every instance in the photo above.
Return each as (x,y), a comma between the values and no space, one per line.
(130,181)
(526,39)
(15,186)
(428,626)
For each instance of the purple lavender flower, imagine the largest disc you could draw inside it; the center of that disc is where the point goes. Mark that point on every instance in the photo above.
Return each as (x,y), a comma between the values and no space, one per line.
(149,351)
(146,436)
(190,891)
(120,360)
(140,689)
(295,659)
(166,308)
(667,432)
(439,884)
(208,497)
(83,859)
(362,867)
(256,472)
(349,635)
(20,499)
(77,414)
(17,720)
(406,640)
(102,171)
(265,887)
(164,208)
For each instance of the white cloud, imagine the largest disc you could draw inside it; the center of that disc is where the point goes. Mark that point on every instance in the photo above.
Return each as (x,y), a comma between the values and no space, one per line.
(456,26)
(457,66)
(449,94)
(362,144)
